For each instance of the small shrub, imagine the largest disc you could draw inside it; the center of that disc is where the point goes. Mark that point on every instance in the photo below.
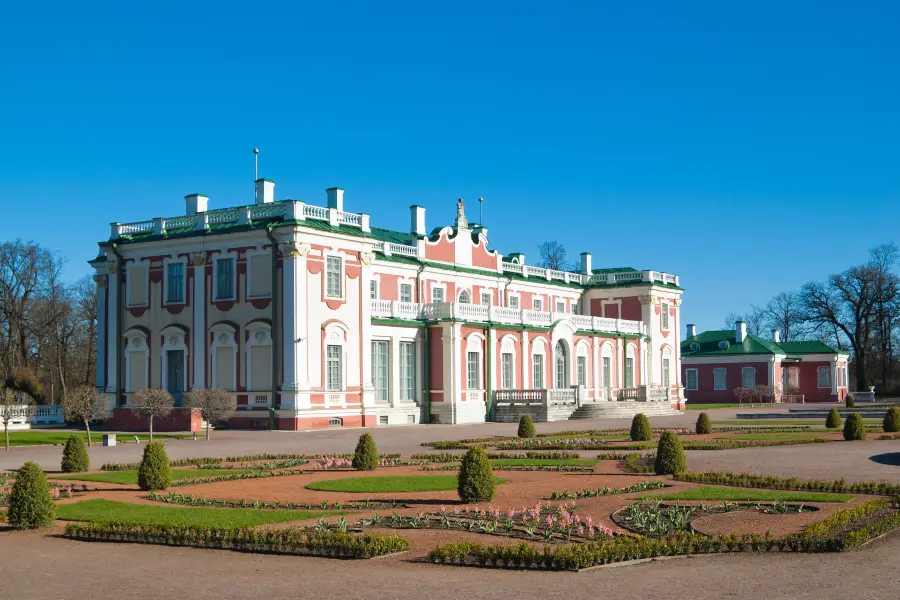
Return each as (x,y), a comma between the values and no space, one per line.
(153,472)
(30,503)
(892,420)
(640,428)
(854,428)
(526,427)
(75,457)
(365,458)
(833,421)
(669,455)
(704,425)
(476,479)
(851,402)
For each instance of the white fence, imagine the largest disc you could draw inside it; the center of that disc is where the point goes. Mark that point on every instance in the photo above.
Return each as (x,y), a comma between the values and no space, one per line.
(25,416)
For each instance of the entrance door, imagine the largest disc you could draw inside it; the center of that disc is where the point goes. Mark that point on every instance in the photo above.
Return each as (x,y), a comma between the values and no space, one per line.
(175,374)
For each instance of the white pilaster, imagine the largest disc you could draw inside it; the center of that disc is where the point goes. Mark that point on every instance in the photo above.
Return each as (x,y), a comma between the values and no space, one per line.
(393,366)
(293,327)
(114,336)
(198,259)
(101,281)
(527,379)
(495,358)
(595,363)
(368,389)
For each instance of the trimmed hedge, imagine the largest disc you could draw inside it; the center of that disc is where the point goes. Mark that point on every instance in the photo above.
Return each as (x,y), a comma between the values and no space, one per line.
(75,457)
(749,480)
(854,428)
(526,427)
(154,472)
(308,542)
(30,503)
(704,425)
(640,428)
(365,458)
(833,420)
(891,422)
(670,457)
(476,477)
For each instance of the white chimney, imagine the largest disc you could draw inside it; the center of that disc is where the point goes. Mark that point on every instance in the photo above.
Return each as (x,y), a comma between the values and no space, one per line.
(740,332)
(265,191)
(335,198)
(586,263)
(417,219)
(691,330)
(517,257)
(776,336)
(195,203)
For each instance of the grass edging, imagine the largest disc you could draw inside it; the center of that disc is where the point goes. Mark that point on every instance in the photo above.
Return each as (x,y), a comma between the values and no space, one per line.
(294,541)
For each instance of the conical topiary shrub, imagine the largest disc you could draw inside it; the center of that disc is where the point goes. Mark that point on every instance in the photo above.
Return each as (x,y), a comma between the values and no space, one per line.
(30,503)
(75,457)
(851,401)
(154,473)
(476,478)
(640,428)
(854,428)
(669,455)
(891,422)
(365,458)
(833,420)
(526,427)
(704,425)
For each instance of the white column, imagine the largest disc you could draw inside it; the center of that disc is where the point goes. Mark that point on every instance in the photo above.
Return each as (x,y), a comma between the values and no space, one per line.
(394,368)
(198,259)
(101,281)
(620,361)
(114,336)
(293,326)
(527,379)
(833,378)
(595,364)
(642,357)
(452,380)
(495,359)
(368,389)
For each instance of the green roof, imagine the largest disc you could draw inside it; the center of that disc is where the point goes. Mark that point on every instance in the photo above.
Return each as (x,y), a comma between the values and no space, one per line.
(710,343)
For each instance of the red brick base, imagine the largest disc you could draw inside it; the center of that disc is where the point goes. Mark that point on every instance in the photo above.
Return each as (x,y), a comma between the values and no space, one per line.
(179,420)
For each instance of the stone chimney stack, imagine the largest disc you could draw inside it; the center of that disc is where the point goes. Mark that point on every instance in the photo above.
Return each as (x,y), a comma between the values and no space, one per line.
(417,219)
(586,263)
(265,191)
(195,204)
(776,336)
(740,332)
(691,330)
(335,198)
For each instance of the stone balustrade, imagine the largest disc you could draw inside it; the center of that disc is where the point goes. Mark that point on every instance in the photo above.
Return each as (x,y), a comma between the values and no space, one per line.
(25,415)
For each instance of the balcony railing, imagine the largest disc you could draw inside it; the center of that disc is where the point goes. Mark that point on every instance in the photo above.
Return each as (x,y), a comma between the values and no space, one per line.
(410,311)
(594,278)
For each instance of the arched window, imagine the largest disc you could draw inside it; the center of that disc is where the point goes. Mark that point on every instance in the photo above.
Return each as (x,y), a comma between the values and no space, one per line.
(336,422)
(464,297)
(562,372)
(136,355)
(222,357)
(258,349)
(174,362)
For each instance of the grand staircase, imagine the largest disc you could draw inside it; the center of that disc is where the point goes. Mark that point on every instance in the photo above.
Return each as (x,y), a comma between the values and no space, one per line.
(623,410)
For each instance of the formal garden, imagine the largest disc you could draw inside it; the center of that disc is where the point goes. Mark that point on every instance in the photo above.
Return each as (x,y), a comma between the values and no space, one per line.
(560,501)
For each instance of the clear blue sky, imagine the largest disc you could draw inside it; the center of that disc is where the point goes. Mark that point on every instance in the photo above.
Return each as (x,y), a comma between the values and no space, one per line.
(748,149)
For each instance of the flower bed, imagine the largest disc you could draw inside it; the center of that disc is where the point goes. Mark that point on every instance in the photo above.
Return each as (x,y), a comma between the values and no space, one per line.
(190,500)
(298,541)
(548,468)
(643,486)
(232,477)
(340,462)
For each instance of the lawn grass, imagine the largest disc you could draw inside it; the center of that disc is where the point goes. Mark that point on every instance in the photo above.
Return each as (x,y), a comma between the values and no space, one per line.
(719,493)
(784,422)
(225,518)
(544,462)
(44,438)
(387,484)
(713,406)
(772,436)
(131,477)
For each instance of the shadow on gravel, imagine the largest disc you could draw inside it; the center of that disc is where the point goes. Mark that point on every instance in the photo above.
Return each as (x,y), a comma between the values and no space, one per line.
(889,458)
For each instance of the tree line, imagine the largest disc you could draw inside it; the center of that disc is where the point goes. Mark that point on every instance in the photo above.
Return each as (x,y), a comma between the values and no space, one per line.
(856,310)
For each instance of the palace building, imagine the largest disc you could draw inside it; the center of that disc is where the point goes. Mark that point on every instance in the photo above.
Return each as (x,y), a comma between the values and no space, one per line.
(314,318)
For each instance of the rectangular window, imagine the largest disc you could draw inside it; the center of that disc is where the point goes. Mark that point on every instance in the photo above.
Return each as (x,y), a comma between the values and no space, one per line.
(437,294)
(514,302)
(794,378)
(382,419)
(408,371)
(405,292)
(666,373)
(536,304)
(581,370)
(175,283)
(137,286)
(664,313)
(260,266)
(472,371)
(333,276)
(373,289)
(719,380)
(224,279)
(506,371)
(607,373)
(824,377)
(537,365)
(560,306)
(485,298)
(334,374)
(260,368)
(137,371)
(691,379)
(629,372)
(224,368)
(748,377)
(380,369)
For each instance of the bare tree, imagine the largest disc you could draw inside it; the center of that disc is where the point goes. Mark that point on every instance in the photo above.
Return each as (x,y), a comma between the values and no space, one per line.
(731,320)
(553,256)
(10,408)
(784,312)
(84,404)
(214,405)
(753,318)
(153,403)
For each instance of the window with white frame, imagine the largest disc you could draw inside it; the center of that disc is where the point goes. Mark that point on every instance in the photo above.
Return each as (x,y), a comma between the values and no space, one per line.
(537,367)
(223,362)
(380,369)
(506,371)
(629,372)
(175,283)
(259,275)
(560,306)
(373,289)
(607,371)
(581,370)
(748,377)
(407,371)
(336,422)
(334,276)
(536,304)
(259,358)
(405,292)
(136,359)
(514,302)
(224,268)
(719,379)
(664,313)
(334,371)
(691,379)
(667,372)
(824,377)
(437,293)
(464,297)
(473,364)
(137,285)
(486,298)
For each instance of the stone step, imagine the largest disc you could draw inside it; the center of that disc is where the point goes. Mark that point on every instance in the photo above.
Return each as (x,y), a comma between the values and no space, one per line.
(621,410)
